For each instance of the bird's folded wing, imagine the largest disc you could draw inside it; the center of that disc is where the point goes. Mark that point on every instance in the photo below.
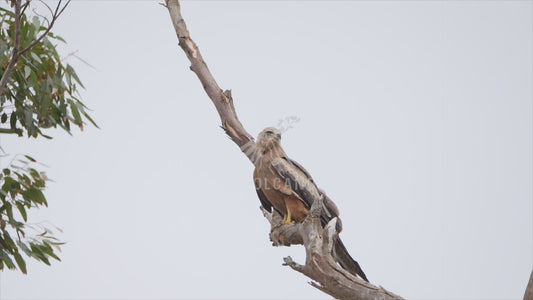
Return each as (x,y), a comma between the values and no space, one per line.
(301,182)
(297,179)
(264,201)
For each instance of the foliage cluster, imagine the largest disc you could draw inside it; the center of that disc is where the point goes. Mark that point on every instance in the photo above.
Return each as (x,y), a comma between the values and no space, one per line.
(38,91)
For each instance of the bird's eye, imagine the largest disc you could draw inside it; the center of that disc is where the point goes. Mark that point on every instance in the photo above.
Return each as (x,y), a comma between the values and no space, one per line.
(270,132)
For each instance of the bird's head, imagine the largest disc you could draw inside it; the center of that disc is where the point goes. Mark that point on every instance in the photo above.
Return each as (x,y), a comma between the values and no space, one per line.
(269,138)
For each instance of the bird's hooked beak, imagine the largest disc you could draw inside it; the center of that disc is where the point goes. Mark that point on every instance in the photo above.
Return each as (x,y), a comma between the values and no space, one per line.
(277,136)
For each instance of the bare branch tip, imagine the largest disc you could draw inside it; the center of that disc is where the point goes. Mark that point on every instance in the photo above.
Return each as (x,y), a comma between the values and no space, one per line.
(318,286)
(288,261)
(294,265)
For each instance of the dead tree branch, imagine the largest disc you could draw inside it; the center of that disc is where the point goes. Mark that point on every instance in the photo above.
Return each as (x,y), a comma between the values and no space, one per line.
(221,99)
(320,266)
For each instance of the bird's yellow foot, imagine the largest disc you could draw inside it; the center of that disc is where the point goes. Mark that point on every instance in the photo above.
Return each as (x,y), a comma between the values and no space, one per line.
(287,218)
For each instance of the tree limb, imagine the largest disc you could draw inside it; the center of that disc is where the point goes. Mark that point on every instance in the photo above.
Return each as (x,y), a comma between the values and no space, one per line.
(528,295)
(221,99)
(320,266)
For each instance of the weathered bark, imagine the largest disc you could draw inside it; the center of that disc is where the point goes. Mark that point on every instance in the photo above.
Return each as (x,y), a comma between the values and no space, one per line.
(320,266)
(221,99)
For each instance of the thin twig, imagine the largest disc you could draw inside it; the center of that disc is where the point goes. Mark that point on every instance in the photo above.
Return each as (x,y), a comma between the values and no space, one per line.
(11,131)
(48,7)
(24,6)
(55,16)
(17,53)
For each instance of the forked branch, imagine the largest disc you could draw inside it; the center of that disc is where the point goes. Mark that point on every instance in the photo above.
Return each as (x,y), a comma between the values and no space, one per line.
(320,266)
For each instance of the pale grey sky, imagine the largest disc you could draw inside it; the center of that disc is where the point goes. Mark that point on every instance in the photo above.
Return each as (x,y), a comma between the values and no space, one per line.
(415,117)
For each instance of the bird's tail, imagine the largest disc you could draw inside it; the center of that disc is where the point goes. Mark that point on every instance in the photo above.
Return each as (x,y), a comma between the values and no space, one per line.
(346,261)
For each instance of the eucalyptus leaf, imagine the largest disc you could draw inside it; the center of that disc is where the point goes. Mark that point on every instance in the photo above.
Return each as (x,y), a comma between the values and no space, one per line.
(22,211)
(20,262)
(36,57)
(27,71)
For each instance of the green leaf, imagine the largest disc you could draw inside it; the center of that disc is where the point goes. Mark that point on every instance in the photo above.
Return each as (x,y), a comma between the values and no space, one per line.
(33,79)
(27,71)
(31,32)
(36,57)
(7,12)
(22,211)
(71,71)
(38,253)
(57,37)
(63,108)
(25,40)
(36,22)
(45,106)
(9,241)
(90,119)
(48,44)
(30,158)
(4,117)
(46,249)
(35,195)
(7,260)
(9,212)
(28,118)
(24,248)
(13,120)
(20,262)
(75,112)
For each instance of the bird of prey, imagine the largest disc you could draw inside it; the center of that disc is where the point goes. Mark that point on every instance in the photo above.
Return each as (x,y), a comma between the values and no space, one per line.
(288,195)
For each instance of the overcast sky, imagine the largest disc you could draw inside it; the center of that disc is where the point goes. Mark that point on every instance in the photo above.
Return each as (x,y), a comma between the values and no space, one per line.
(414,116)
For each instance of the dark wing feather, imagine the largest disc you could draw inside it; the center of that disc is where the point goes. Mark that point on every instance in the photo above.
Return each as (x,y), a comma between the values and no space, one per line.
(332,209)
(329,210)
(346,260)
(286,170)
(299,184)
(264,201)
(297,165)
